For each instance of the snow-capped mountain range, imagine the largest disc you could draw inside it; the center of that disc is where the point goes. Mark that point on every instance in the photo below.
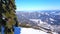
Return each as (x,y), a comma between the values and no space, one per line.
(49,19)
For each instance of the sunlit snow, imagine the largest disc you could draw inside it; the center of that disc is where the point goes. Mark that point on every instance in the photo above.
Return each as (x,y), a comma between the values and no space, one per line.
(31,31)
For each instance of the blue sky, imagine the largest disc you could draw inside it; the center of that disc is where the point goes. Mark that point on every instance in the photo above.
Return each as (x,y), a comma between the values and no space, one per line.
(26,5)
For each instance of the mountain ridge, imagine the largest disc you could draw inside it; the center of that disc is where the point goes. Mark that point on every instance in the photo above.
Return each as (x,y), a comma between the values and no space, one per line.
(51,18)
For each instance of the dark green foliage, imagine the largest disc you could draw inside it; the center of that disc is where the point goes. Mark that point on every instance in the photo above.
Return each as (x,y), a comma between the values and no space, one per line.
(7,15)
(16,22)
(0,28)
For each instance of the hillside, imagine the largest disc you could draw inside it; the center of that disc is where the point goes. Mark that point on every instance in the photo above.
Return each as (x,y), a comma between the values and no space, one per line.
(48,19)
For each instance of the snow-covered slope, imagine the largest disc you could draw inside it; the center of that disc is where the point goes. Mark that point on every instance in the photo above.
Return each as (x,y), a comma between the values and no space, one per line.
(33,31)
(49,19)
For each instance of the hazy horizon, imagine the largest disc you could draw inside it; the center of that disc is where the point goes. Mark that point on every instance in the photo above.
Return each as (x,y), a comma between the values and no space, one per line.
(30,5)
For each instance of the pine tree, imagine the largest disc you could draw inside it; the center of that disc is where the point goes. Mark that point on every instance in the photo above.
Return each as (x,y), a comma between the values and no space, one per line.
(7,15)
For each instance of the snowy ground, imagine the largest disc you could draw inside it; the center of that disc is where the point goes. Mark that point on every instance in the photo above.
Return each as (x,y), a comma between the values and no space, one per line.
(32,31)
(21,30)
